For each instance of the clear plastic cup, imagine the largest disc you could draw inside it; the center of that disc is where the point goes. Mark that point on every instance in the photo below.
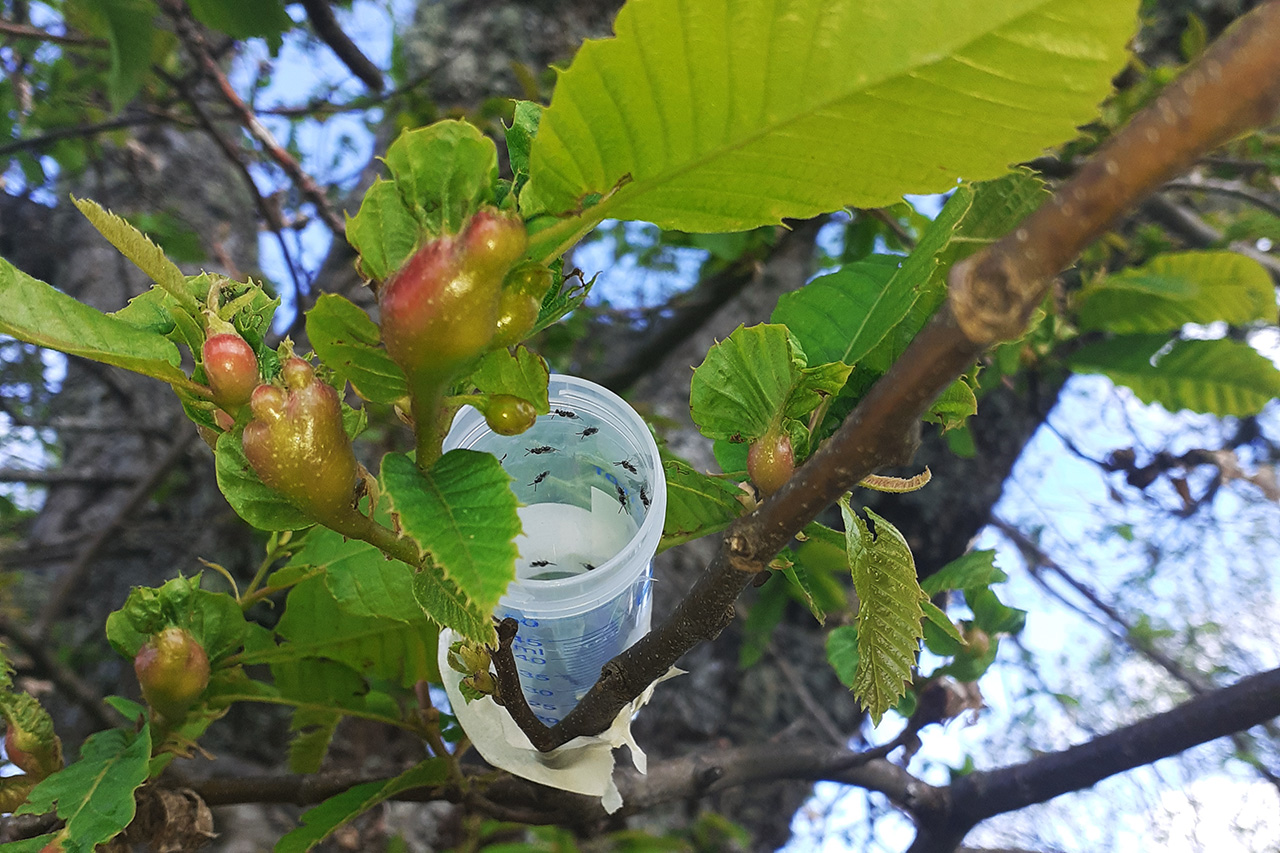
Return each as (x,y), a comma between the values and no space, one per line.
(595,499)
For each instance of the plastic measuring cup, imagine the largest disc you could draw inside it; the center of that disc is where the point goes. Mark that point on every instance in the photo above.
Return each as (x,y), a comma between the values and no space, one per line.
(595,500)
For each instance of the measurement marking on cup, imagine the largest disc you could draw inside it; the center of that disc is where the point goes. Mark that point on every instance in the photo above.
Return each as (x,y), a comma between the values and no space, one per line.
(589,431)
(538,479)
(541,449)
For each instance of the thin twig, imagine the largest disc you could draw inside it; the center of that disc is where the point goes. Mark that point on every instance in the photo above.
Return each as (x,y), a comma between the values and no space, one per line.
(1257,198)
(199,49)
(26,31)
(58,134)
(60,476)
(331,33)
(269,212)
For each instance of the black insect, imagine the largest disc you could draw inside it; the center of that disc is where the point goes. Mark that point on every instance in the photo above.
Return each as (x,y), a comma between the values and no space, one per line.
(622,498)
(537,564)
(644,497)
(539,450)
(588,566)
(538,479)
(589,431)
(564,413)
(625,464)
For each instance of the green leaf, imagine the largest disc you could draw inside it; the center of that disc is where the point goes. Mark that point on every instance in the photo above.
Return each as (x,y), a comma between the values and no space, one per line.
(1222,377)
(798,579)
(937,617)
(523,375)
(463,513)
(254,501)
(322,690)
(752,379)
(366,584)
(383,232)
(319,822)
(128,26)
(213,618)
(697,504)
(39,314)
(95,795)
(842,654)
(243,19)
(955,405)
(349,342)
(135,246)
(317,626)
(444,173)
(993,616)
(524,127)
(974,569)
(975,215)
(360,579)
(889,612)
(1175,289)
(763,617)
(717,117)
(562,298)
(449,606)
(840,317)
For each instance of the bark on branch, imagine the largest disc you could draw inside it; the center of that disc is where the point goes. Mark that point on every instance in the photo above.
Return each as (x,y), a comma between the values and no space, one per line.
(977,796)
(1234,86)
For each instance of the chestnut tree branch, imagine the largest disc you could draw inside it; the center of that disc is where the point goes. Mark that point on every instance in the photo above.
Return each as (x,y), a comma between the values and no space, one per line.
(326,26)
(1232,87)
(980,795)
(200,52)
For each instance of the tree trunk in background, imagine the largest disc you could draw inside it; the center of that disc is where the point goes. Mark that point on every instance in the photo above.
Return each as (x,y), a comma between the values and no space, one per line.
(468,49)
(161,171)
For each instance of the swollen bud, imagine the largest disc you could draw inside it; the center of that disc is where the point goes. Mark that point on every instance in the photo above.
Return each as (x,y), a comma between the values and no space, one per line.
(440,309)
(771,462)
(297,445)
(37,755)
(173,670)
(509,415)
(232,369)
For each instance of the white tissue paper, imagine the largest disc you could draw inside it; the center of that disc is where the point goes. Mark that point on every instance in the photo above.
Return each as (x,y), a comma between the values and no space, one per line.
(584,765)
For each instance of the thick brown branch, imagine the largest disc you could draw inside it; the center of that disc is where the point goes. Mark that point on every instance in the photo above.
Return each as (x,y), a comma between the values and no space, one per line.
(1234,86)
(326,25)
(980,795)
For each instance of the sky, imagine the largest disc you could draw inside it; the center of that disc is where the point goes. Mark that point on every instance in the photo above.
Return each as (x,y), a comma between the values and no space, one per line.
(1065,497)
